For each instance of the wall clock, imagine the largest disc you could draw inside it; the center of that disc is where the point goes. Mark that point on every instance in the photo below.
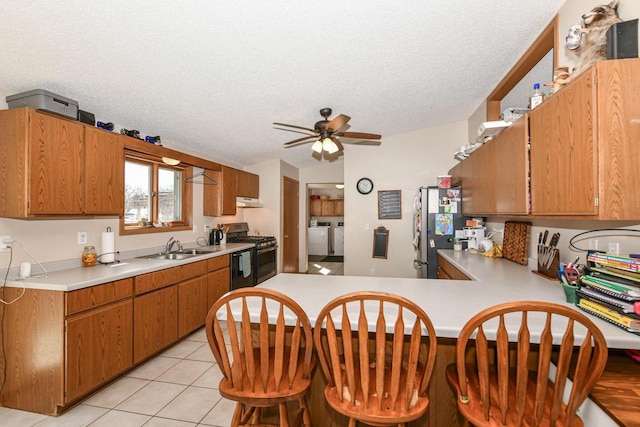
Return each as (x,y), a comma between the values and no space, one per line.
(364,186)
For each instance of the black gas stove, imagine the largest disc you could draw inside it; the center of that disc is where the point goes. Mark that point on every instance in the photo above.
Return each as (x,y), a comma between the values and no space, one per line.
(265,259)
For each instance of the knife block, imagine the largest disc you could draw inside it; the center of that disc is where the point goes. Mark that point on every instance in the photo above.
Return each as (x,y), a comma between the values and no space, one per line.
(550,272)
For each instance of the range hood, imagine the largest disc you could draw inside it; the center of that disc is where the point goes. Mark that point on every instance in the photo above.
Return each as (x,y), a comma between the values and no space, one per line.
(248,202)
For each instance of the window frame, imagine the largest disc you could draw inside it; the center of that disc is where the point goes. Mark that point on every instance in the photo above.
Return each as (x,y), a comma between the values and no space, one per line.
(155,162)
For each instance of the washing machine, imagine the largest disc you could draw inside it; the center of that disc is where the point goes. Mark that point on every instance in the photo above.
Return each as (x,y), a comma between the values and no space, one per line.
(319,240)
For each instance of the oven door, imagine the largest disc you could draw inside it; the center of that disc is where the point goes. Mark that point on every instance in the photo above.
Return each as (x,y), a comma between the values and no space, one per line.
(242,270)
(266,263)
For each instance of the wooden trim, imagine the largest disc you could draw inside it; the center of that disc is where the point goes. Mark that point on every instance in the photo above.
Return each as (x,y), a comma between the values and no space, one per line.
(144,147)
(547,40)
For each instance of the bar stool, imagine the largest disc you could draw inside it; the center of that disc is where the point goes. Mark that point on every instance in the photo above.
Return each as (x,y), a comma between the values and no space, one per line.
(267,355)
(377,351)
(497,386)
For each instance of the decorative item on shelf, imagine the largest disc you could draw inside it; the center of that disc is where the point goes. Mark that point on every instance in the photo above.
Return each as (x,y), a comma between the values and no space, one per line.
(106,126)
(488,130)
(593,28)
(132,133)
(561,76)
(155,140)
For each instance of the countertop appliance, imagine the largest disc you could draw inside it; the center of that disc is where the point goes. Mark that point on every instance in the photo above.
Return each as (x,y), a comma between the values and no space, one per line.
(319,241)
(265,260)
(437,214)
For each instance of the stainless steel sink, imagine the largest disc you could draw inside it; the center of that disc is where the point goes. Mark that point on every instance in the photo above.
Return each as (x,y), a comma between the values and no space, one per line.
(184,254)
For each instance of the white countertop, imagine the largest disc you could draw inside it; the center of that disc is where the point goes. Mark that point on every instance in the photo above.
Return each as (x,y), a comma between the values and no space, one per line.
(82,277)
(449,303)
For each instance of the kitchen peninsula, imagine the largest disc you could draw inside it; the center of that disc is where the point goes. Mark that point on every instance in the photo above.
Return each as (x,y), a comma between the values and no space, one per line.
(449,304)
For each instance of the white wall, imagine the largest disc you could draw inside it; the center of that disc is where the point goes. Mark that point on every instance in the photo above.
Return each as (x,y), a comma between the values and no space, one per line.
(403,162)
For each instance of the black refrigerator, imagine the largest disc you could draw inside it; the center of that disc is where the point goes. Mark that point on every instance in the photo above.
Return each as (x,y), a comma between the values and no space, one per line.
(437,214)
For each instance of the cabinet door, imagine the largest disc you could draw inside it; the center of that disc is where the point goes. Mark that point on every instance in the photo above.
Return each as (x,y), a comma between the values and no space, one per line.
(479,193)
(229,190)
(328,208)
(248,184)
(99,347)
(104,172)
(512,169)
(563,152)
(192,305)
(315,207)
(56,161)
(339,207)
(155,322)
(218,283)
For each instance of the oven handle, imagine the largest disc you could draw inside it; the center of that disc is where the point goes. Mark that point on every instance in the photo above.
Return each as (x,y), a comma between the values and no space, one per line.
(269,249)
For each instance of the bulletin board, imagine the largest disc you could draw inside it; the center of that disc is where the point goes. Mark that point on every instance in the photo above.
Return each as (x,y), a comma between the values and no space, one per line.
(390,204)
(380,242)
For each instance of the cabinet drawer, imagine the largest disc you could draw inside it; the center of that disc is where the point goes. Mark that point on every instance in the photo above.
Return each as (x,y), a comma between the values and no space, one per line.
(193,269)
(94,296)
(157,279)
(218,262)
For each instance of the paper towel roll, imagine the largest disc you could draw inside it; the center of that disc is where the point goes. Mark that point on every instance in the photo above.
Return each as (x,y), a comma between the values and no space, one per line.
(108,247)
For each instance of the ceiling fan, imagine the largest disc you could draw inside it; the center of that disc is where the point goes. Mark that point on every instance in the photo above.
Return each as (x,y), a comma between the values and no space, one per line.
(325,134)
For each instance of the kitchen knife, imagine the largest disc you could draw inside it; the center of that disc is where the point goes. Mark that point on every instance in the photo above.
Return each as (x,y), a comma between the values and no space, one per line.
(544,238)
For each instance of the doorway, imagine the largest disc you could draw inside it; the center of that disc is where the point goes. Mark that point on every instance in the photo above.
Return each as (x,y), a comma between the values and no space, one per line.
(325,228)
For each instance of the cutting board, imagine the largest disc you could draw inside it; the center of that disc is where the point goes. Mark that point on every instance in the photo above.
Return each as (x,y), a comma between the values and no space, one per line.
(515,245)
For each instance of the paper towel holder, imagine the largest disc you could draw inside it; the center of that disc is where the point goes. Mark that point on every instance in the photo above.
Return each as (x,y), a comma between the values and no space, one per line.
(108,253)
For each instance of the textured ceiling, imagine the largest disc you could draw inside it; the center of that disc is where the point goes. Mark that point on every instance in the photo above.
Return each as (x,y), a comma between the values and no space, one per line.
(210,77)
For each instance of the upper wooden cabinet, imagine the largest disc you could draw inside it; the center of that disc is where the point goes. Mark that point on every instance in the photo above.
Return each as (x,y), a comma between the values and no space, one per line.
(329,207)
(248,185)
(49,167)
(583,153)
(220,199)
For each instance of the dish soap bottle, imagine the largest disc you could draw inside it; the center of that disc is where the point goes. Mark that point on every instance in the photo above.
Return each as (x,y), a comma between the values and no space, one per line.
(536,98)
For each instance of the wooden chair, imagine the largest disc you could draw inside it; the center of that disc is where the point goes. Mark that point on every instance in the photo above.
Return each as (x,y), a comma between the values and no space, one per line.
(268,356)
(503,384)
(377,351)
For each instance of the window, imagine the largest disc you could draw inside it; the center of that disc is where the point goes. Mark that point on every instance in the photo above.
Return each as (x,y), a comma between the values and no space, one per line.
(155,195)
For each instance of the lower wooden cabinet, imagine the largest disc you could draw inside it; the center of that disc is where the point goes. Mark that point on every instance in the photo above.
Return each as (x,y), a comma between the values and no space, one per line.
(446,270)
(155,322)
(218,279)
(192,305)
(99,347)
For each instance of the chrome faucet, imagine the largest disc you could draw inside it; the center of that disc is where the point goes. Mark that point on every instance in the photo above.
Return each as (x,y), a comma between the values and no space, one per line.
(170,244)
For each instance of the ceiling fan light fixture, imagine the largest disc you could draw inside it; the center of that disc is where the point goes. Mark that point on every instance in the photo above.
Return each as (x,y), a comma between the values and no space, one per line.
(329,146)
(317,146)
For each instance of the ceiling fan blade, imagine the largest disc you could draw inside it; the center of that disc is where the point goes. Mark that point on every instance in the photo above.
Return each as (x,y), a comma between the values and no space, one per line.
(306,139)
(297,131)
(293,126)
(360,135)
(363,142)
(337,123)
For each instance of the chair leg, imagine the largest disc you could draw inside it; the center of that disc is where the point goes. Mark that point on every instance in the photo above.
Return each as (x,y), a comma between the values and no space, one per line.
(306,415)
(284,415)
(352,422)
(237,415)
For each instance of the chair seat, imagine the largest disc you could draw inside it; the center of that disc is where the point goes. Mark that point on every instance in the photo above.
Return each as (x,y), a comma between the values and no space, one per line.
(260,396)
(353,406)
(474,411)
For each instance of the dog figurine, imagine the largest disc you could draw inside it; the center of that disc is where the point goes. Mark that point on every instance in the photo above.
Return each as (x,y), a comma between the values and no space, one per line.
(593,43)
(562,76)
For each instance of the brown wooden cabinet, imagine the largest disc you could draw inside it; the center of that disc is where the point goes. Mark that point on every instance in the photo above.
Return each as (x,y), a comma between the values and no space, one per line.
(328,207)
(248,185)
(192,297)
(218,279)
(446,270)
(221,199)
(583,153)
(49,168)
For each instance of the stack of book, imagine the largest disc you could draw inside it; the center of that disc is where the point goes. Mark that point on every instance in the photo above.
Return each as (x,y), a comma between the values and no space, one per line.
(610,289)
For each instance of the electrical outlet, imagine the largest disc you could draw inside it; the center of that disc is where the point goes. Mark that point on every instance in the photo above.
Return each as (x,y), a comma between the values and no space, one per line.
(614,248)
(207,229)
(195,228)
(82,237)
(5,243)
(593,244)
(372,272)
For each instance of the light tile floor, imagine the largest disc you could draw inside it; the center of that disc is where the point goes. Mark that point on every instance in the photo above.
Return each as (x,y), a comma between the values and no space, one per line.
(177,388)
(326,268)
